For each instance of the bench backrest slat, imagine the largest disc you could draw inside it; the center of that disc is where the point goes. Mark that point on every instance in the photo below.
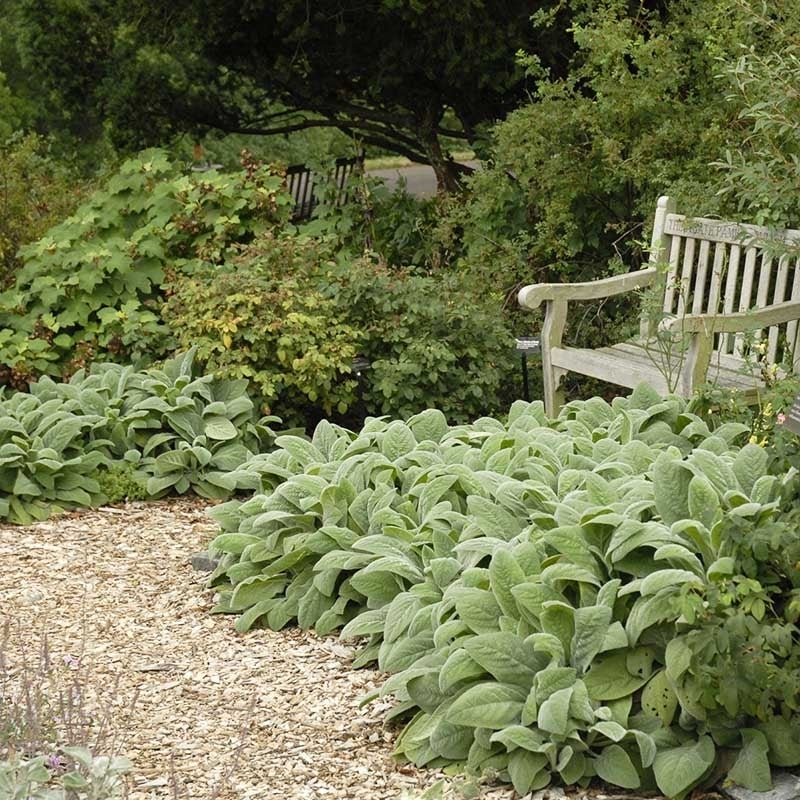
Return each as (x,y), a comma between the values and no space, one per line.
(719,267)
(792,331)
(301,182)
(728,304)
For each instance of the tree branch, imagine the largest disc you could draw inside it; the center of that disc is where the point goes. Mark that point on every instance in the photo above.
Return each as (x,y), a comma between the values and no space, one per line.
(298,126)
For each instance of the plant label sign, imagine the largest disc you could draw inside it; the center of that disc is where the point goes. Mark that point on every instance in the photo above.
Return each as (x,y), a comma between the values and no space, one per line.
(528,345)
(792,419)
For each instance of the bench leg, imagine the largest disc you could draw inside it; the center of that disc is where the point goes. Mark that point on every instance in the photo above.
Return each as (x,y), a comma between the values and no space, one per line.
(695,367)
(555,319)
(553,391)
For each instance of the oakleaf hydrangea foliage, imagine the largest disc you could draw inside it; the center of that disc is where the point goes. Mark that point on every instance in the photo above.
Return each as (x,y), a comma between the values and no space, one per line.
(93,284)
(608,594)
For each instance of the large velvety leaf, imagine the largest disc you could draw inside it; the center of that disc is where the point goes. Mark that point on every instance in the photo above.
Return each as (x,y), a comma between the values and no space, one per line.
(62,433)
(458,667)
(784,741)
(254,590)
(429,425)
(750,464)
(609,679)
(591,627)
(678,658)
(487,705)
(504,574)
(704,503)
(519,736)
(671,481)
(679,769)
(478,609)
(505,656)
(452,741)
(658,698)
(397,441)
(219,428)
(614,766)
(554,712)
(751,768)
(527,771)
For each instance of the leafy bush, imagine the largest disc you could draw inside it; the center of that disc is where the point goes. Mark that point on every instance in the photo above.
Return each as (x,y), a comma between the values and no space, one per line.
(573,176)
(431,341)
(91,287)
(36,192)
(760,165)
(546,593)
(120,482)
(164,428)
(288,317)
(263,318)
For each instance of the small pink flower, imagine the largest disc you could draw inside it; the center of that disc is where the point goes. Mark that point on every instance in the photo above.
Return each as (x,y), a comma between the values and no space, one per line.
(781,418)
(55,762)
(71,661)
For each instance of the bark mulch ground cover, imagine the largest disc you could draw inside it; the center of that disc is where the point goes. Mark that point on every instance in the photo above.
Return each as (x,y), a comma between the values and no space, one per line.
(203,711)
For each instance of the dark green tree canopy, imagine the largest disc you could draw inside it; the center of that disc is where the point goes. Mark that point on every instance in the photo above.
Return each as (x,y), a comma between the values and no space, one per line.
(400,74)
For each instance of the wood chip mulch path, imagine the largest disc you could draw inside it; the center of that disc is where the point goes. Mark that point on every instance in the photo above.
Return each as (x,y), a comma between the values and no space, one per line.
(205,713)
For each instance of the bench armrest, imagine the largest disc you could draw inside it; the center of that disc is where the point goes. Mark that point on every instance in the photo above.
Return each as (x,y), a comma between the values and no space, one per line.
(534,295)
(742,321)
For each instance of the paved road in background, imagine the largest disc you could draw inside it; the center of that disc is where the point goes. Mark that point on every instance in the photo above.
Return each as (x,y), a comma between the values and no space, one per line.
(420,179)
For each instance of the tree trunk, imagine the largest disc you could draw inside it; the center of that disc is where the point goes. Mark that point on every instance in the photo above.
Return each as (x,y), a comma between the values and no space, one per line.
(448,176)
(448,172)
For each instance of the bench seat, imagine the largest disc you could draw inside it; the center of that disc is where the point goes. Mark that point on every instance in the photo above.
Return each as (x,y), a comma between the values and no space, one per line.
(634,362)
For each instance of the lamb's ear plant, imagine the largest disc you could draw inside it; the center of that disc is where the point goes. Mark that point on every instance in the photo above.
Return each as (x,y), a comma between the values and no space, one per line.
(92,778)
(545,593)
(148,433)
(44,463)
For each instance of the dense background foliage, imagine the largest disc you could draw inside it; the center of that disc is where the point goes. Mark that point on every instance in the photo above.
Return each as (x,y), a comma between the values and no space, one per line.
(611,594)
(36,192)
(158,260)
(148,72)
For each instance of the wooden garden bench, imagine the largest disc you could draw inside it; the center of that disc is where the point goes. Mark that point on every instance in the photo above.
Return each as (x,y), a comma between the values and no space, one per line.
(300,181)
(707,271)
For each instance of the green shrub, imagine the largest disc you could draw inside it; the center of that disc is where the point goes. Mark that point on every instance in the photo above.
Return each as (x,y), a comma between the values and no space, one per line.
(430,340)
(91,288)
(36,192)
(288,317)
(759,167)
(547,594)
(263,318)
(571,183)
(158,261)
(121,481)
